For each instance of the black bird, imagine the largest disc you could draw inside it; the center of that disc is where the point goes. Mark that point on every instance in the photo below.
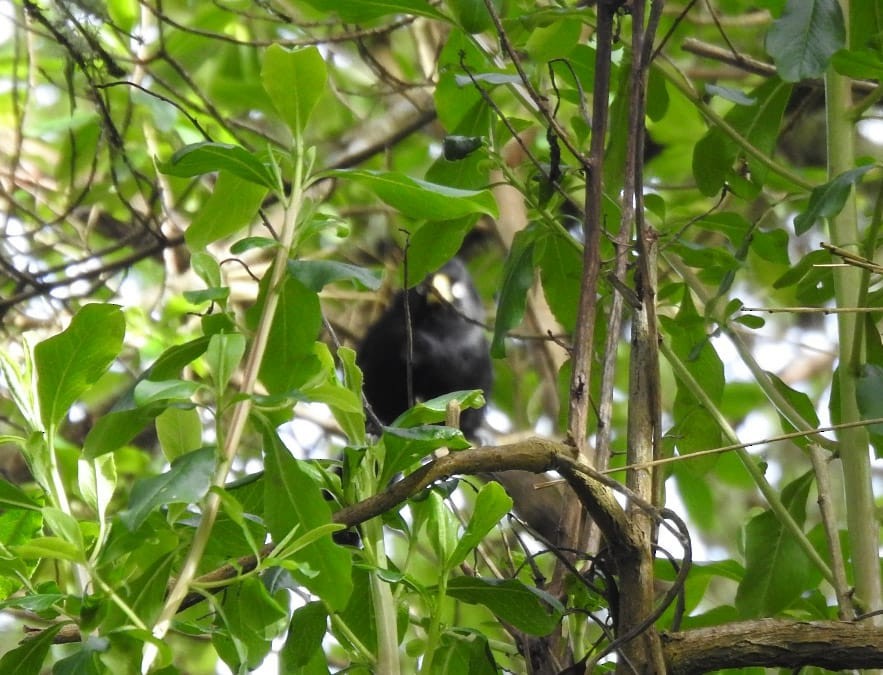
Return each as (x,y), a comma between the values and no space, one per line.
(450,351)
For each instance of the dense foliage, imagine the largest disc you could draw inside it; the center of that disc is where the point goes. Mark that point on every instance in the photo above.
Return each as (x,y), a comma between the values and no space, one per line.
(672,212)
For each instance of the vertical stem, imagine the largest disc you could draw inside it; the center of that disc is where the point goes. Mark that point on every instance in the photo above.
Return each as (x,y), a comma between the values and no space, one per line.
(860,507)
(242,410)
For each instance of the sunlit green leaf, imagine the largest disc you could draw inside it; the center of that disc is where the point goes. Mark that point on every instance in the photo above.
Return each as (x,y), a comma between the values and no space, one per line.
(294,80)
(421,199)
(72,361)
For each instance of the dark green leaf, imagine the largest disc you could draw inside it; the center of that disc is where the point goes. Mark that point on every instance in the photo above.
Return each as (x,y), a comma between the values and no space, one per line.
(517,279)
(207,157)
(186,482)
(316,274)
(71,362)
(406,446)
(293,500)
(560,260)
(170,363)
(305,634)
(827,200)
(117,428)
(294,80)
(465,654)
(712,160)
(433,244)
(13,497)
(777,571)
(805,37)
(528,609)
(472,15)
(469,653)
(27,658)
(869,392)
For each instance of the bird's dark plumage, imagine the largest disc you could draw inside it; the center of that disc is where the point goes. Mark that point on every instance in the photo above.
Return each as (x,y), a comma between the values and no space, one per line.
(450,352)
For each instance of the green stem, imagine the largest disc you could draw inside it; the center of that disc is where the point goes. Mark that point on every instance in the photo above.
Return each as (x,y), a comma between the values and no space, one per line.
(860,507)
(435,623)
(381,596)
(241,411)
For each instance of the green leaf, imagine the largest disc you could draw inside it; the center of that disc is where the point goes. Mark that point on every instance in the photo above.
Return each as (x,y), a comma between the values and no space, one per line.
(97,482)
(421,199)
(316,274)
(53,548)
(433,244)
(170,363)
(805,37)
(352,423)
(197,159)
(233,204)
(528,609)
(442,526)
(361,11)
(827,200)
(733,95)
(305,634)
(293,500)
(712,161)
(406,446)
(800,402)
(117,428)
(150,391)
(517,280)
(224,353)
(777,571)
(434,410)
(469,653)
(561,265)
(295,80)
(491,505)
(472,15)
(186,482)
(869,393)
(289,360)
(253,618)
(863,64)
(179,431)
(69,363)
(27,658)
(13,497)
